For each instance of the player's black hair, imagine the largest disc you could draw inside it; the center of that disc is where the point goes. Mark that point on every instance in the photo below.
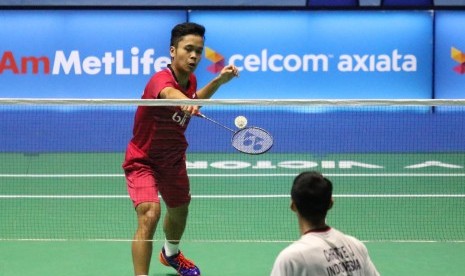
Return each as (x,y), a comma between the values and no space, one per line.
(311,193)
(183,29)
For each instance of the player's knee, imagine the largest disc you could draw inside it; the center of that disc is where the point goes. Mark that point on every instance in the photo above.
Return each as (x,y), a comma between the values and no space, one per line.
(149,215)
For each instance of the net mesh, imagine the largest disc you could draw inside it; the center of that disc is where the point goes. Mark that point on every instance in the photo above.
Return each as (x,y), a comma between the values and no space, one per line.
(397,169)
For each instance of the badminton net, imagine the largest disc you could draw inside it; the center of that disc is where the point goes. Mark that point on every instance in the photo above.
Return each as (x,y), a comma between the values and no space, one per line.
(397,167)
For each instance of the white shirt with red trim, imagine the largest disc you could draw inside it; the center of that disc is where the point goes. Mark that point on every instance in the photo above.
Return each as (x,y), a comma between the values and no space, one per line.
(327,252)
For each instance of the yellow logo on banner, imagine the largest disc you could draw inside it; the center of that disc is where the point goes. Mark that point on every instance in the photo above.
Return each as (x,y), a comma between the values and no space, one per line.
(216,58)
(459,57)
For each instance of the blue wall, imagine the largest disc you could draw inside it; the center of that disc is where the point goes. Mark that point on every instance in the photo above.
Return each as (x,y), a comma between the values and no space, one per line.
(106,130)
(76,59)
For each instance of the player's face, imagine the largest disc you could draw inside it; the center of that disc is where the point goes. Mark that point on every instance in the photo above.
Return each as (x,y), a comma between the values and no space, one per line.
(187,54)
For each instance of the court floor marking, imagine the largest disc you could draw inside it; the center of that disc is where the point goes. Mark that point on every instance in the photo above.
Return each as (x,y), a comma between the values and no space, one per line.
(240,175)
(214,241)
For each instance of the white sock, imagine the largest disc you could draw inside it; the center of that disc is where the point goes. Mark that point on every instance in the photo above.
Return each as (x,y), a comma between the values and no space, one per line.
(171,248)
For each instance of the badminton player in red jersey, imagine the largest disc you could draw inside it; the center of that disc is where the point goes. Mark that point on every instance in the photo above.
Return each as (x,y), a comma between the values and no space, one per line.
(155,159)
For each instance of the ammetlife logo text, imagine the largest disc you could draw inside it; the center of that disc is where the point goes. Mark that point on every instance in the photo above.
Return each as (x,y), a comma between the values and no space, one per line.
(265,61)
(118,62)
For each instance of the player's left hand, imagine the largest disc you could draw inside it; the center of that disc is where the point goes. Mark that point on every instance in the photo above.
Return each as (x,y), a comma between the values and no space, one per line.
(227,73)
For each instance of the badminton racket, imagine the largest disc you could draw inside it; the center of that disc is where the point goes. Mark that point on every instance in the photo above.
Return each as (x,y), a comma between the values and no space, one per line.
(250,140)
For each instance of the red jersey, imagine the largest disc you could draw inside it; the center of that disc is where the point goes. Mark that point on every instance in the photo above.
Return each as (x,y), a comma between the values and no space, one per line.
(158,134)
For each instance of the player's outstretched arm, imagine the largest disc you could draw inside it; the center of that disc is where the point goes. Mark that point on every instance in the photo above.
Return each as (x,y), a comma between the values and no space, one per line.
(172,93)
(226,74)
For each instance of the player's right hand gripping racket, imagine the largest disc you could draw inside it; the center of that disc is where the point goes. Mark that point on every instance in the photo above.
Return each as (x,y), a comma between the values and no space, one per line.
(250,140)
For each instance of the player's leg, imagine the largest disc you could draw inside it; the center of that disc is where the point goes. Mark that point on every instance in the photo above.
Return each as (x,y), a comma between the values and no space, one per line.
(174,188)
(148,215)
(143,191)
(173,226)
(175,191)
(175,223)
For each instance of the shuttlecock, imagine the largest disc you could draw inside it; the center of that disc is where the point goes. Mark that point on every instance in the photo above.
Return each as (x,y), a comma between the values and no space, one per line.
(240,121)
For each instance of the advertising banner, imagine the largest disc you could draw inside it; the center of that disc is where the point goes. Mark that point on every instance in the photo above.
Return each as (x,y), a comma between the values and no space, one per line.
(82,54)
(280,54)
(323,54)
(450,55)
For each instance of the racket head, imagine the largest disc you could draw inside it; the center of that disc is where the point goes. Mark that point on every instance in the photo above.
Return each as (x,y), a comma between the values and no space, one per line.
(252,140)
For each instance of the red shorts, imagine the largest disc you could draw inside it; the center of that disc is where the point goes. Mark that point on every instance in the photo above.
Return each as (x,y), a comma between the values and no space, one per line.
(145,181)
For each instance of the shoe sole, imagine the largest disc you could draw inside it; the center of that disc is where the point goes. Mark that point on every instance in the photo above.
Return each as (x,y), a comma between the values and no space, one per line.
(165,263)
(163,260)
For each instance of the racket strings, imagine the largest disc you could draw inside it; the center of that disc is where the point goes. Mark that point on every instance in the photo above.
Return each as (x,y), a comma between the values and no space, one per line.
(252,140)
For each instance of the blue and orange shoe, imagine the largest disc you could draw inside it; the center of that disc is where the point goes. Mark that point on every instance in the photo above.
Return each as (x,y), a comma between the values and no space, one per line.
(183,266)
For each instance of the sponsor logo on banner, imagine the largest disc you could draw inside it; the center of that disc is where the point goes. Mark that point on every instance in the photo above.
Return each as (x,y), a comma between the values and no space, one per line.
(216,58)
(394,61)
(73,62)
(459,57)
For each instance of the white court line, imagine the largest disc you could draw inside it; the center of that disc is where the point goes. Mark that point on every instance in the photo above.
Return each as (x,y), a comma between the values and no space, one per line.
(220,241)
(233,196)
(241,175)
